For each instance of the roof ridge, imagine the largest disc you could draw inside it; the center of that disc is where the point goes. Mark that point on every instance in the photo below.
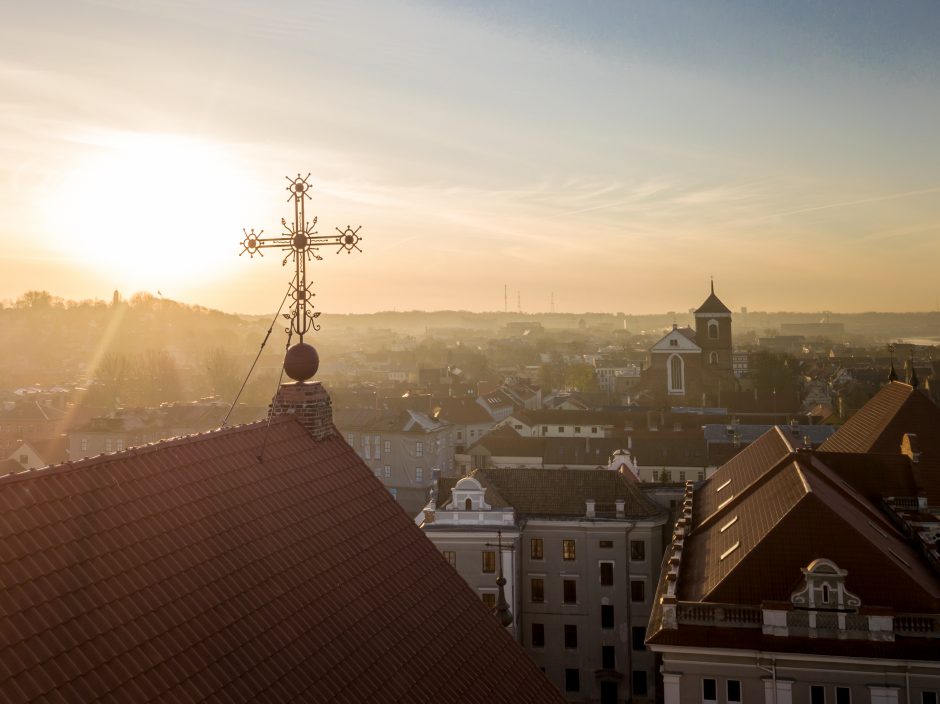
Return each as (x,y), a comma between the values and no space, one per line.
(107,457)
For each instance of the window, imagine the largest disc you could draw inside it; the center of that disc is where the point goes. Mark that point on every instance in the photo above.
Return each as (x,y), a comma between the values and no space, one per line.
(544,430)
(639,683)
(713,329)
(577,429)
(571,636)
(388,470)
(451,557)
(489,561)
(593,430)
(119,444)
(366,452)
(709,690)
(673,343)
(637,550)
(713,358)
(419,474)
(107,445)
(734,691)
(537,585)
(607,574)
(468,504)
(84,444)
(572,680)
(637,590)
(561,428)
(637,636)
(567,549)
(388,446)
(536,549)
(681,476)
(928,698)
(607,616)
(606,544)
(570,591)
(825,594)
(350,437)
(419,449)
(817,694)
(608,657)
(676,369)
(489,598)
(460,435)
(538,635)
(843,695)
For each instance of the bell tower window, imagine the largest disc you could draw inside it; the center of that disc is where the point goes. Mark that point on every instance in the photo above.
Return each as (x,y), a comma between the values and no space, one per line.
(712,329)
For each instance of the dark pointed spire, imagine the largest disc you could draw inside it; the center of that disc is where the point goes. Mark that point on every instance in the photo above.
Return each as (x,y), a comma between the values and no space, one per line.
(501,610)
(713,285)
(892,375)
(912,379)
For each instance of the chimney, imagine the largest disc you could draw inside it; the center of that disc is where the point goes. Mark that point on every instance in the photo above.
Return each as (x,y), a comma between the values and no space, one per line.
(311,405)
(590,508)
(620,503)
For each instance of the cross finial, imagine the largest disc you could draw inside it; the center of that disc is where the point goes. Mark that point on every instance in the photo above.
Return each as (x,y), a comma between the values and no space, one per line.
(301,242)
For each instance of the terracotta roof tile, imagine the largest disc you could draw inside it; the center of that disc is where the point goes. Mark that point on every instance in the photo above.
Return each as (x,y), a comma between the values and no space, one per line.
(188,570)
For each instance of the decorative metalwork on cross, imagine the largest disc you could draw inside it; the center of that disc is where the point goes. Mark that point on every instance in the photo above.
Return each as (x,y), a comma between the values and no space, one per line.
(301,242)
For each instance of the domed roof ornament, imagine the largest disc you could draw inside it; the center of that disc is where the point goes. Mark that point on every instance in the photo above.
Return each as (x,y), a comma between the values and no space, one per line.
(301,243)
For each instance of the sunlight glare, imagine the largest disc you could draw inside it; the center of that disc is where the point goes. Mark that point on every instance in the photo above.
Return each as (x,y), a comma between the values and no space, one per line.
(151,210)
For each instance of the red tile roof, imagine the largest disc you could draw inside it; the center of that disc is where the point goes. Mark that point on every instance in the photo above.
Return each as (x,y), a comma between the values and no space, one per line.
(188,570)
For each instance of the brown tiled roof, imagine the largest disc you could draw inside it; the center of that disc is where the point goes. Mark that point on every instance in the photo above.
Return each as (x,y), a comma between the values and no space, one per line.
(768,451)
(506,442)
(795,513)
(874,476)
(190,571)
(459,411)
(880,425)
(561,493)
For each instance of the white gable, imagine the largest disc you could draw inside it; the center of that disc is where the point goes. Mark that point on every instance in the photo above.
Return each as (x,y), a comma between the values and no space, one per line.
(675,341)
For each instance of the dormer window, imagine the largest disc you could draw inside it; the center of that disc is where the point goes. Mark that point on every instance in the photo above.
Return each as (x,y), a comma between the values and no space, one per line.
(468,505)
(673,343)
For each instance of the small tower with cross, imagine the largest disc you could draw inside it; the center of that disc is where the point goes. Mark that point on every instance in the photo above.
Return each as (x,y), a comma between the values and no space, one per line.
(300,243)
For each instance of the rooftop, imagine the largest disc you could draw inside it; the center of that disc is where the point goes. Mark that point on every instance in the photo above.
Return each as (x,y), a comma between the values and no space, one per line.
(188,570)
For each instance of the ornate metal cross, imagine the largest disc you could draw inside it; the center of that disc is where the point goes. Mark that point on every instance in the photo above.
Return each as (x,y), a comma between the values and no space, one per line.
(301,242)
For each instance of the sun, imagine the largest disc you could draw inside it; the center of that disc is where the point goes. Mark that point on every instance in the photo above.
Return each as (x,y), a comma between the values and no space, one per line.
(150,210)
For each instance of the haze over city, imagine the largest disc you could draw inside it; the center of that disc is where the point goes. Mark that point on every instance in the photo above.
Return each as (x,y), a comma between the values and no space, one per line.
(614,155)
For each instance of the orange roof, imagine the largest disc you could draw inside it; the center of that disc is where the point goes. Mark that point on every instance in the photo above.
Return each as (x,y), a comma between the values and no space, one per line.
(189,570)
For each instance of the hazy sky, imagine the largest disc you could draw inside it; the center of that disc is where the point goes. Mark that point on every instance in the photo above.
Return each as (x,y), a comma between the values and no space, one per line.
(615,154)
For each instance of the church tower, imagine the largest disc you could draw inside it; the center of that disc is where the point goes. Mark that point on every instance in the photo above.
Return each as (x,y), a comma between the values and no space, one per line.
(713,333)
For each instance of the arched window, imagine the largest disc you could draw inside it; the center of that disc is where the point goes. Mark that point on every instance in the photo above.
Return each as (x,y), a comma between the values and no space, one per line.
(713,329)
(468,505)
(676,374)
(713,358)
